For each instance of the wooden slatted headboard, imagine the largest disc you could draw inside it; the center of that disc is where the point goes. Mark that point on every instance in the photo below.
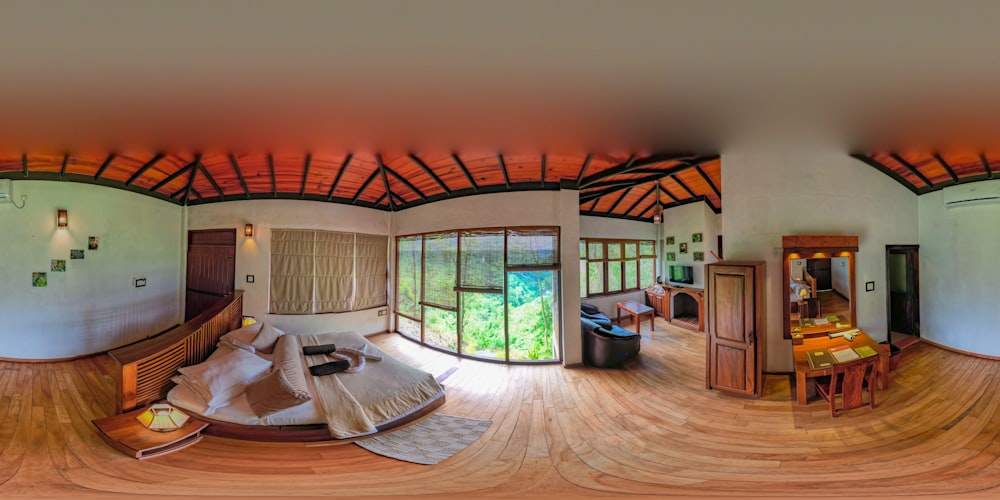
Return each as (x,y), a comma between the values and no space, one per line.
(146,367)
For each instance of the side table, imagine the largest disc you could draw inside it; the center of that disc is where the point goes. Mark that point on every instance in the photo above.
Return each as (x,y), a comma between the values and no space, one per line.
(127,435)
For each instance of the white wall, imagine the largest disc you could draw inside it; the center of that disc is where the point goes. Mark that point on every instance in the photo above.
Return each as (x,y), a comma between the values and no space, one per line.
(840,276)
(681,223)
(253,255)
(605,227)
(93,305)
(959,275)
(770,193)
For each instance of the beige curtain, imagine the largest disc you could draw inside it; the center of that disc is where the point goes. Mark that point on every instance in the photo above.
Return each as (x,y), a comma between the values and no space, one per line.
(334,271)
(292,271)
(372,271)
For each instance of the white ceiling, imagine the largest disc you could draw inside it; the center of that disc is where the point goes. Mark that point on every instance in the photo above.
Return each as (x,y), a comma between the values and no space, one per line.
(641,75)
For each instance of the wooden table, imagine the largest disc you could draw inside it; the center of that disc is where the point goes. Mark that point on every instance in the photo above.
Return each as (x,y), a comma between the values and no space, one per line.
(803,371)
(128,436)
(637,311)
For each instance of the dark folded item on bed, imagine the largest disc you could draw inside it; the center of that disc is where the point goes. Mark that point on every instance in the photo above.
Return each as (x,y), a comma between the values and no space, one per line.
(313,350)
(330,368)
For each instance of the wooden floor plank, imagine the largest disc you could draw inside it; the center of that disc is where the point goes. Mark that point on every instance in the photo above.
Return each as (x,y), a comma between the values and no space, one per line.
(648,429)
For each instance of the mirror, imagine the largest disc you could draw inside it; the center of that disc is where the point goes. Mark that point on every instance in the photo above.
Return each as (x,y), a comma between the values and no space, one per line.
(819,273)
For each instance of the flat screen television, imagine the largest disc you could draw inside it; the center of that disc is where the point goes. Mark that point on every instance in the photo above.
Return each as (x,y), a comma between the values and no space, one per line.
(682,274)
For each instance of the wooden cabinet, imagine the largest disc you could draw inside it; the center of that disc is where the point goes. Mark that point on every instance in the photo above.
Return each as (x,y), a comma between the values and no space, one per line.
(735,340)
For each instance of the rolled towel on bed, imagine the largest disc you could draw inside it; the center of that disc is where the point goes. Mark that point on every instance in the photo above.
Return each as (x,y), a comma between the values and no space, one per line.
(329,368)
(312,350)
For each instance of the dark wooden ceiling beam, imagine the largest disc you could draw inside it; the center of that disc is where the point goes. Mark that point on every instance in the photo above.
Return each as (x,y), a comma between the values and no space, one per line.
(681,184)
(149,164)
(947,167)
(583,170)
(503,168)
(196,194)
(543,169)
(642,213)
(105,165)
(902,161)
(468,175)
(619,200)
(709,181)
(364,186)
(622,168)
(640,200)
(208,175)
(65,162)
(427,170)
(274,180)
(239,173)
(385,181)
(24,163)
(667,192)
(173,176)
(305,175)
(340,175)
(642,180)
(986,165)
(405,182)
(187,192)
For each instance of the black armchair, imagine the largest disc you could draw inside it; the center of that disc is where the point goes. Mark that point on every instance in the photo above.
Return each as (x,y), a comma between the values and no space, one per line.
(608,346)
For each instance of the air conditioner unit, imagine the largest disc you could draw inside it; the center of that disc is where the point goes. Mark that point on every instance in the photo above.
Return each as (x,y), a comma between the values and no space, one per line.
(972,194)
(5,195)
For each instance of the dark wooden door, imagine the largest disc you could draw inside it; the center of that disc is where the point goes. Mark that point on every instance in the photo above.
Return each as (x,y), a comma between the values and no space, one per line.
(733,361)
(211,268)
(903,276)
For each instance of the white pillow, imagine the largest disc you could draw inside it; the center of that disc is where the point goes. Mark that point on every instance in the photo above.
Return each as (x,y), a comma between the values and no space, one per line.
(223,376)
(244,335)
(265,339)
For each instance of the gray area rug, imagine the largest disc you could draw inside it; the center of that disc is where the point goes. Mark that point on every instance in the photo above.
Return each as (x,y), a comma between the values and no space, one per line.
(429,442)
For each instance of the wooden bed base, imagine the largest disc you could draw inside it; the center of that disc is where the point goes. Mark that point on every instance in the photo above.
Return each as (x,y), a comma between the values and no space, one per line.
(146,367)
(302,433)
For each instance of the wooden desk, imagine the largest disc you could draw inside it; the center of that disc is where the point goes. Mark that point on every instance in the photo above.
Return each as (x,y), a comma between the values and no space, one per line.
(637,311)
(804,372)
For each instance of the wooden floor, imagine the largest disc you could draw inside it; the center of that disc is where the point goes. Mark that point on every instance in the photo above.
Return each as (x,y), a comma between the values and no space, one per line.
(651,429)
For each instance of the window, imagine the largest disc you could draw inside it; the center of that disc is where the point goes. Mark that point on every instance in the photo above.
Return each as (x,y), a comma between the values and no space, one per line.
(614,266)
(326,271)
(484,293)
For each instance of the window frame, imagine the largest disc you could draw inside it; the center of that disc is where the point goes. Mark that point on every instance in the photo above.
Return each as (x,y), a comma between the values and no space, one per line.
(508,267)
(606,262)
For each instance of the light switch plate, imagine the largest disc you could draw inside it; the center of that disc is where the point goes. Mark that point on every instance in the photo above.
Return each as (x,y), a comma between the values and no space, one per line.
(140,282)
(869,286)
(249,278)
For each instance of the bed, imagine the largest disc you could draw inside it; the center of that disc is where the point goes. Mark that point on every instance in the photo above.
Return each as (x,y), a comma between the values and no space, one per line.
(383,392)
(146,371)
(799,289)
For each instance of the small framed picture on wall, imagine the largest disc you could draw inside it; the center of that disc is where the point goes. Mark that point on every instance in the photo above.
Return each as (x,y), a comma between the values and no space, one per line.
(670,240)
(671,256)
(699,256)
(684,247)
(696,238)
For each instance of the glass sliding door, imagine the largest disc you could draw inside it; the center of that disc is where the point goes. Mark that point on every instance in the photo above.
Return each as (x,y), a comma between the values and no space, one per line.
(531,310)
(409,285)
(484,293)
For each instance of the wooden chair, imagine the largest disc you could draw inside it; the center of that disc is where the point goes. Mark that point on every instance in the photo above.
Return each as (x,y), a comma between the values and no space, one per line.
(849,380)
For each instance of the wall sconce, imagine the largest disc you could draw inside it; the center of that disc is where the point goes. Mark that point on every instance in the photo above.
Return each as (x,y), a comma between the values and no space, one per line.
(248,230)
(162,418)
(61,218)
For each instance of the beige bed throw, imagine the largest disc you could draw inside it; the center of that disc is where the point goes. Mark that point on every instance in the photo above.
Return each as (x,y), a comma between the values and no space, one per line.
(356,403)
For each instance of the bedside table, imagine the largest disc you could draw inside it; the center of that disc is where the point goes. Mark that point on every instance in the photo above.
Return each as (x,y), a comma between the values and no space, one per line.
(127,435)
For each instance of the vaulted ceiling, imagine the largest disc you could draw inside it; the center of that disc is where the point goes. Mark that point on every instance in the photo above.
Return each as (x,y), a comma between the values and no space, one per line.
(926,171)
(614,185)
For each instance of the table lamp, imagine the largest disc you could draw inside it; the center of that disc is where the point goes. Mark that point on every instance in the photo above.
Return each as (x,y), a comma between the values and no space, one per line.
(162,418)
